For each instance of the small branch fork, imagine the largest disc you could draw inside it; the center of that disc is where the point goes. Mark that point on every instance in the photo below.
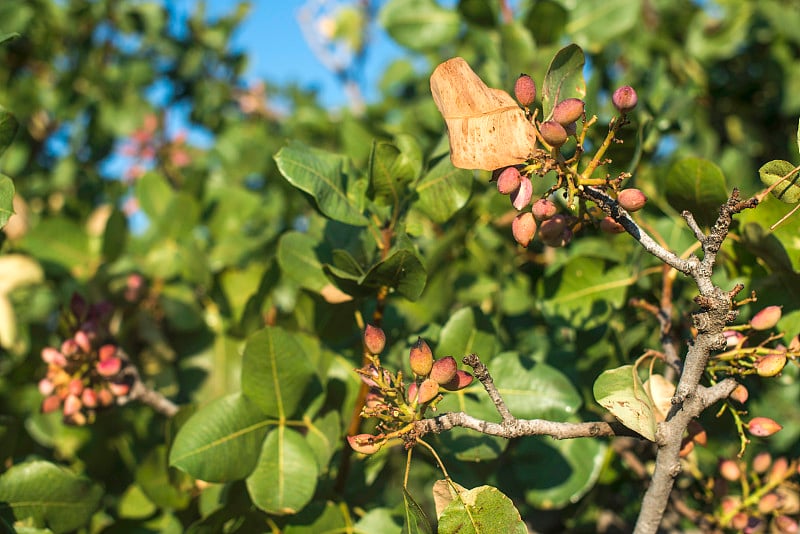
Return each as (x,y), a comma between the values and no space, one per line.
(717,309)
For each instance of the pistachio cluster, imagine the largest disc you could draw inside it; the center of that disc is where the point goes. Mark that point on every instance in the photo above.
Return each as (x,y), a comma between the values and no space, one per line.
(397,404)
(760,495)
(553,228)
(85,374)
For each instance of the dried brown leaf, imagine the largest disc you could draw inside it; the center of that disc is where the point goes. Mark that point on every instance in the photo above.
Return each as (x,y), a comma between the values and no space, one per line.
(487,128)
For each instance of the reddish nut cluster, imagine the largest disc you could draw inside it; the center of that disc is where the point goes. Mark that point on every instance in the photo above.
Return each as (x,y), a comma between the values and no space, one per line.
(568,111)
(525,90)
(553,133)
(82,378)
(393,402)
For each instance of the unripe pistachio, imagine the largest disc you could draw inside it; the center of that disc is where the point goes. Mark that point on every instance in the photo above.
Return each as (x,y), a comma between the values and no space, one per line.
(108,367)
(106,352)
(786,525)
(525,90)
(444,370)
(568,111)
(571,129)
(729,470)
(740,521)
(75,386)
(51,404)
(460,381)
(763,426)
(374,339)
(521,197)
(552,227)
(69,347)
(72,404)
(364,443)
(428,390)
(732,338)
(766,318)
(411,393)
(687,446)
(771,364)
(779,470)
(553,133)
(740,394)
(508,181)
(118,390)
(421,358)
(562,240)
(523,227)
(609,226)
(83,342)
(89,398)
(105,397)
(631,199)
(625,99)
(46,386)
(543,209)
(697,433)
(768,503)
(52,356)
(730,504)
(761,462)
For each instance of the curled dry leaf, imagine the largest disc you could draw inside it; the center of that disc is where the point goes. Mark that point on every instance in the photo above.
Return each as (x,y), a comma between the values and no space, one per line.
(661,391)
(487,128)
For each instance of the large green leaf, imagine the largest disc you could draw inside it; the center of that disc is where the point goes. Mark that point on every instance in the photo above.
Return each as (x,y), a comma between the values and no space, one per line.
(44,495)
(534,390)
(583,293)
(482,510)
(564,78)
(390,171)
(6,37)
(419,24)
(8,129)
(697,185)
(776,170)
(6,199)
(599,22)
(221,441)
(299,261)
(277,375)
(443,190)
(402,271)
(467,331)
(416,520)
(158,484)
(560,471)
(620,391)
(154,194)
(285,478)
(321,175)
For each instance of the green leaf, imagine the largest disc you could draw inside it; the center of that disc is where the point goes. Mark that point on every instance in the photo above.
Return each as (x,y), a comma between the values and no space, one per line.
(482,510)
(321,175)
(6,37)
(6,199)
(324,436)
(276,374)
(789,190)
(620,391)
(298,260)
(221,441)
(479,12)
(443,190)
(8,128)
(42,494)
(584,294)
(564,78)
(464,444)
(697,185)
(285,478)
(519,48)
(389,174)
(798,135)
(401,271)
(534,390)
(154,194)
(115,236)
(562,471)
(419,24)
(158,484)
(416,520)
(599,22)
(467,331)
(319,518)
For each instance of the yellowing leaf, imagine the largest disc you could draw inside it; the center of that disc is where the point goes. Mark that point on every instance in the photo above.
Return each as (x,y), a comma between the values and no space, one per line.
(621,392)
(661,392)
(487,128)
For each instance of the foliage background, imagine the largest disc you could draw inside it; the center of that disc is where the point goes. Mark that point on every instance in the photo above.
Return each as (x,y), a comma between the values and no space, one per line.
(229,246)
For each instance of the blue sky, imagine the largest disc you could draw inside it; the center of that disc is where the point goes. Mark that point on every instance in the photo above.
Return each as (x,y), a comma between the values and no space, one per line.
(272,37)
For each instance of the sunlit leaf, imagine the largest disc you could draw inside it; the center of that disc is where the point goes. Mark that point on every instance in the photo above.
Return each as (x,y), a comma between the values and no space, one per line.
(620,391)
(696,185)
(564,78)
(482,510)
